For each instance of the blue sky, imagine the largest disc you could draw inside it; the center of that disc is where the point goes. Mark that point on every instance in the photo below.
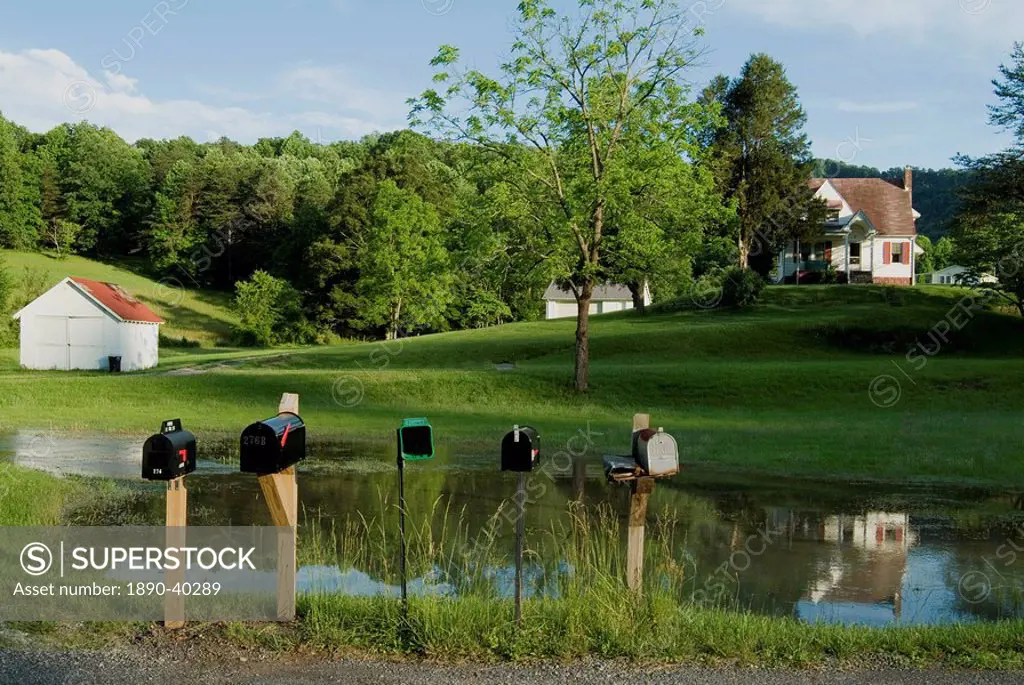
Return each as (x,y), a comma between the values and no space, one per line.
(885,82)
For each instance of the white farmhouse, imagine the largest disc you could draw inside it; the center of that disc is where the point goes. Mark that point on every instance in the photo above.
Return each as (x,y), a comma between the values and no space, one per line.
(561,303)
(870,237)
(80,324)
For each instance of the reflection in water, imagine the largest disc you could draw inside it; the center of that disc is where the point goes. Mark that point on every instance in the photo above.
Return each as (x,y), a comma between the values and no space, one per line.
(821,552)
(865,567)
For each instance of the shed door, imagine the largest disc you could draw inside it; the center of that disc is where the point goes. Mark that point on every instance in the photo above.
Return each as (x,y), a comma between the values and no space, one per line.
(51,341)
(85,342)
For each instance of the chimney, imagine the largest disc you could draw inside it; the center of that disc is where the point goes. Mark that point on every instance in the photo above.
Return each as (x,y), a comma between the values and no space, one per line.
(908,181)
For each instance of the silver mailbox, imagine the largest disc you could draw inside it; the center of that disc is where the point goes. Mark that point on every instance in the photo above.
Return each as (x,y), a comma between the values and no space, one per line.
(656,452)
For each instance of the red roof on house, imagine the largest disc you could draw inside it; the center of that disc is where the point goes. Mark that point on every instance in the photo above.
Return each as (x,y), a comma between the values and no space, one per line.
(886,204)
(116,299)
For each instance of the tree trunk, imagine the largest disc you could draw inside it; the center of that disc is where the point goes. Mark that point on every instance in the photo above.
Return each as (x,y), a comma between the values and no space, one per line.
(396,315)
(744,251)
(586,291)
(637,291)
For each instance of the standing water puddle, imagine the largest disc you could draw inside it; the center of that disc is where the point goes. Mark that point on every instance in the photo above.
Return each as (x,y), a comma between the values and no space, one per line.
(863,554)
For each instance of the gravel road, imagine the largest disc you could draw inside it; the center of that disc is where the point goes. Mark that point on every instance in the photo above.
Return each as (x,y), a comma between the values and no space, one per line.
(124,666)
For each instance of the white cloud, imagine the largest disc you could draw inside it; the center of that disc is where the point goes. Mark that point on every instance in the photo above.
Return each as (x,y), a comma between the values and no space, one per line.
(339,87)
(911,19)
(43,88)
(863,107)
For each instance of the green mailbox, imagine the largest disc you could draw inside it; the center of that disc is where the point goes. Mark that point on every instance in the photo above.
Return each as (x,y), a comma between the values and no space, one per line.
(415,443)
(415,440)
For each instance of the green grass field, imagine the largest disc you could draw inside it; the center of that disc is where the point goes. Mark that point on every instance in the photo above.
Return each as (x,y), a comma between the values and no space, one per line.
(199,315)
(805,384)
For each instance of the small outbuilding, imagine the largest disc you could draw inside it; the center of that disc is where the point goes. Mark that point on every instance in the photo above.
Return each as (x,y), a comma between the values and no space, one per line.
(81,324)
(560,303)
(954,275)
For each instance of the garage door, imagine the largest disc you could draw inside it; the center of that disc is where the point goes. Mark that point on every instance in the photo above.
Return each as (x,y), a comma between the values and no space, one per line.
(85,342)
(51,342)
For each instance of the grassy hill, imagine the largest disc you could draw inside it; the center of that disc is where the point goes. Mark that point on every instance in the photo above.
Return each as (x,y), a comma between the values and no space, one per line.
(198,315)
(813,382)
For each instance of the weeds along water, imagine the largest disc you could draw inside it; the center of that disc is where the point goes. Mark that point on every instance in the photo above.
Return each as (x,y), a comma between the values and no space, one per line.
(577,603)
(578,556)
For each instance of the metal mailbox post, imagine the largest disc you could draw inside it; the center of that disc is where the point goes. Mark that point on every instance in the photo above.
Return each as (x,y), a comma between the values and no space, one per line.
(169,456)
(520,453)
(415,443)
(271,449)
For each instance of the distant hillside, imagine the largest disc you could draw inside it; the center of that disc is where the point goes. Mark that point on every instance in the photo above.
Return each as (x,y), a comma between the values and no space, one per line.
(198,315)
(934,191)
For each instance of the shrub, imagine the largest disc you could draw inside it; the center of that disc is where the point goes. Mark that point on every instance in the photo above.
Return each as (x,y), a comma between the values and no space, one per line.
(182,342)
(741,288)
(269,311)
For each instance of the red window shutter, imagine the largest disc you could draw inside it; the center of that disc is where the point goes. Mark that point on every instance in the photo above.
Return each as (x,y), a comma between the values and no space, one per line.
(887,253)
(908,252)
(828,251)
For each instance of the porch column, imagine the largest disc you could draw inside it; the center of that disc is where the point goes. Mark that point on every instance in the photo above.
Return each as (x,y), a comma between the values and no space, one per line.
(913,262)
(796,261)
(847,259)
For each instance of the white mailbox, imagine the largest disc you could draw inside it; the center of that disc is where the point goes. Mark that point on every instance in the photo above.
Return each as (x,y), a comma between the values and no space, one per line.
(656,452)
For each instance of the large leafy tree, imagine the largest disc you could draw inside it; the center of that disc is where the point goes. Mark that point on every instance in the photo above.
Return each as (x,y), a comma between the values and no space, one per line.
(762,160)
(404,280)
(104,186)
(660,207)
(989,232)
(19,216)
(560,111)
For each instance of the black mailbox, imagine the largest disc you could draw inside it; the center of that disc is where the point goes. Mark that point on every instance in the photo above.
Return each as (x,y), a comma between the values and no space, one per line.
(273,445)
(169,454)
(520,450)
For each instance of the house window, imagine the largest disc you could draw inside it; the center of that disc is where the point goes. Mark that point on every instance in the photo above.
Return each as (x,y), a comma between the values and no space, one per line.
(805,252)
(897,254)
(854,254)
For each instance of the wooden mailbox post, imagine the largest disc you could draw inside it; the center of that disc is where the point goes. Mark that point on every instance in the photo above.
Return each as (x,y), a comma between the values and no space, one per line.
(169,456)
(640,491)
(177,520)
(654,456)
(281,492)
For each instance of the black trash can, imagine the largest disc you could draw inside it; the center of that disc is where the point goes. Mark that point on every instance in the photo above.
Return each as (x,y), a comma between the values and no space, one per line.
(115,364)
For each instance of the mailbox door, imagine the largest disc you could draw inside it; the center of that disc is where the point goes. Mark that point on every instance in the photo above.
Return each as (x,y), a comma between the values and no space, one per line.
(661,455)
(516,456)
(520,456)
(157,459)
(417,442)
(260,452)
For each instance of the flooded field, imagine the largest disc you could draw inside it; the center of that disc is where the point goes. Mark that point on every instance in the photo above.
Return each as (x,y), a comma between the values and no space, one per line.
(848,553)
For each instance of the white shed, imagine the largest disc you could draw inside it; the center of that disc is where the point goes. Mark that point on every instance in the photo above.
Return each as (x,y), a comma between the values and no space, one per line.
(954,275)
(78,324)
(561,303)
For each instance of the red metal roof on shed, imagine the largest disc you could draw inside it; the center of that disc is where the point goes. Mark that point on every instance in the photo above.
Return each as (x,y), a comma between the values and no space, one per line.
(116,299)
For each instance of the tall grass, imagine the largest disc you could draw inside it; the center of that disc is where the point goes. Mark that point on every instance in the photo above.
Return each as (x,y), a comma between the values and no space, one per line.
(576,602)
